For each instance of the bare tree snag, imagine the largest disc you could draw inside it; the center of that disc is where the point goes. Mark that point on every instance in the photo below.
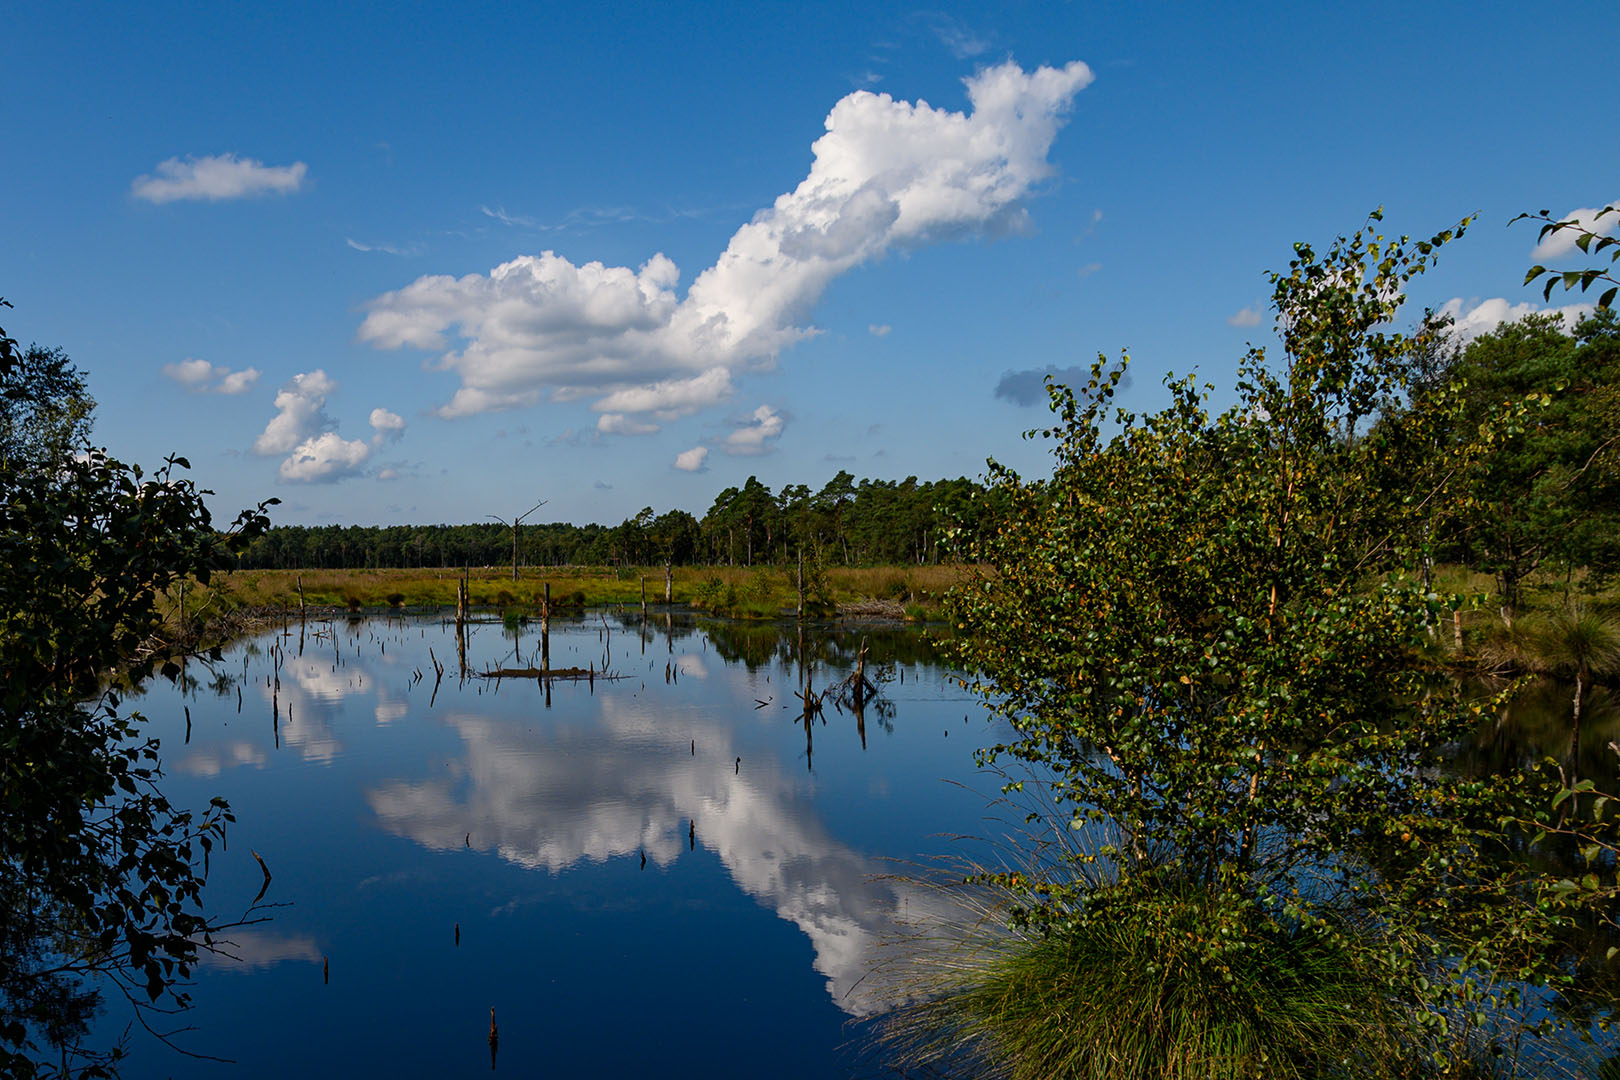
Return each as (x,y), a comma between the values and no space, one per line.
(515,523)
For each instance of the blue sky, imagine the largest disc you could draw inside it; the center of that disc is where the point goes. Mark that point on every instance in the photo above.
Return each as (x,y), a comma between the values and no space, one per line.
(430,263)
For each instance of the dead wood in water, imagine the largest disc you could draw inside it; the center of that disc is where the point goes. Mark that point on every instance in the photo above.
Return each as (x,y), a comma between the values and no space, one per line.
(546,673)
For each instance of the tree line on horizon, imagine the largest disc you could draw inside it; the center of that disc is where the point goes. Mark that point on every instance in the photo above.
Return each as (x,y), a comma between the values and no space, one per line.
(1546,499)
(843,523)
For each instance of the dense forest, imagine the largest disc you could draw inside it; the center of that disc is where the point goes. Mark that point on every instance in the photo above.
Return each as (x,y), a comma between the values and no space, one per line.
(844,523)
(1544,500)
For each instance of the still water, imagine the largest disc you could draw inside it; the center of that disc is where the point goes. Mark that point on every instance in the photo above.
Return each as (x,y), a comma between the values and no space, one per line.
(664,874)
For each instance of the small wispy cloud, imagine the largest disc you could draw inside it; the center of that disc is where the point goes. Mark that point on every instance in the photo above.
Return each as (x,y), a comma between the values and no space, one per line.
(758,435)
(223,176)
(1248,316)
(588,217)
(879,329)
(620,424)
(693,460)
(201,377)
(386,249)
(1091,227)
(516,220)
(963,43)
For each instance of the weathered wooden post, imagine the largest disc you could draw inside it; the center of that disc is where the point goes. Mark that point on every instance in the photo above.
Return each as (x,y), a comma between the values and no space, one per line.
(801,583)
(860,676)
(545,630)
(669,584)
(462,602)
(644,598)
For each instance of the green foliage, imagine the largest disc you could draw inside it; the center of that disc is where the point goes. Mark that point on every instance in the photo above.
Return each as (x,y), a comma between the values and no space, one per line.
(715,594)
(1548,493)
(1201,631)
(1591,242)
(44,407)
(99,873)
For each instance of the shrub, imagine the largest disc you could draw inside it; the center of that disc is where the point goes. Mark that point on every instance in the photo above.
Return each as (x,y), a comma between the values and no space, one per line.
(715,594)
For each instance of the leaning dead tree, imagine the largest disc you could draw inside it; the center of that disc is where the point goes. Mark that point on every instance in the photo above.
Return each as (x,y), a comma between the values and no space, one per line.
(515,523)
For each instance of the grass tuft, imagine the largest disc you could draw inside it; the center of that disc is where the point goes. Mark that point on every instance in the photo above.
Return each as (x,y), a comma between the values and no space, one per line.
(1136,994)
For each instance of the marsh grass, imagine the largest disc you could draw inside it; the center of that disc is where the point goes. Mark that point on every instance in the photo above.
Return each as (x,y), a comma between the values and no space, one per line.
(758,592)
(1563,644)
(1131,995)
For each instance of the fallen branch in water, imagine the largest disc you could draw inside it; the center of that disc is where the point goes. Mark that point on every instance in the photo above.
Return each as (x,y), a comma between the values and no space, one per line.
(544,673)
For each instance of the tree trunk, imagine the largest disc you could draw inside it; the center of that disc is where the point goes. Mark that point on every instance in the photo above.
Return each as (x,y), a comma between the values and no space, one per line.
(1575,742)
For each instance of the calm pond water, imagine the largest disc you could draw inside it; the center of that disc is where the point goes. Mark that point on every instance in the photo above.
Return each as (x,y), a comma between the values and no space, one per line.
(632,899)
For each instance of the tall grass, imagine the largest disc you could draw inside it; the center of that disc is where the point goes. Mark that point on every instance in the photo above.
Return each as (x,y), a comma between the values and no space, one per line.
(759,592)
(1134,996)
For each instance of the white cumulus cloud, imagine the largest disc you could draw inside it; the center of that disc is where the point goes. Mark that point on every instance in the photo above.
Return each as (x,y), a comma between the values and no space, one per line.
(222,176)
(237,382)
(887,175)
(692,460)
(300,413)
(199,376)
(303,431)
(190,371)
(388,426)
(757,435)
(325,458)
(1470,319)
(669,399)
(1562,241)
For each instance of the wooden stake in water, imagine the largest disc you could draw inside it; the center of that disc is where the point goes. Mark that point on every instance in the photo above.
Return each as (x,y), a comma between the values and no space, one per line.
(545,628)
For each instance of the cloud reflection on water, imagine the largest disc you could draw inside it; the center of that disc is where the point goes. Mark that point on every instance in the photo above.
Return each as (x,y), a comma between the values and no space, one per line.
(554,796)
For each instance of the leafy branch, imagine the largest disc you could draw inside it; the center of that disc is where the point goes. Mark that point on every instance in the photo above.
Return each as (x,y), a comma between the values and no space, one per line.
(1590,240)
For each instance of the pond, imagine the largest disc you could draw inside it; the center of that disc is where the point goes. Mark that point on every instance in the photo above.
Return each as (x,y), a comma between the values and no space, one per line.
(665,873)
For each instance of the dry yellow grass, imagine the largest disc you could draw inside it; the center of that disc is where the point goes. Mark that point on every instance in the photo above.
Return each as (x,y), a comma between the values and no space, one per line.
(918,587)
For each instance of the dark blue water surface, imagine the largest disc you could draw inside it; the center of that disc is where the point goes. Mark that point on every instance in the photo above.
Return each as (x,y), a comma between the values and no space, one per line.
(387,817)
